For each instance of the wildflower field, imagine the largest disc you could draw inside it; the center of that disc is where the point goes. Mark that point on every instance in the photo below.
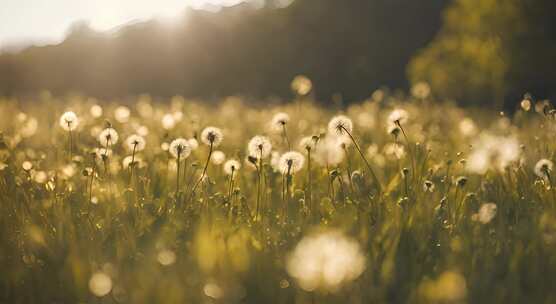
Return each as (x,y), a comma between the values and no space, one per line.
(395,199)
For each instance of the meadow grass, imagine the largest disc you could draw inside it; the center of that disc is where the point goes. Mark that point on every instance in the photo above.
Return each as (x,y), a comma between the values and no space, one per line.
(399,200)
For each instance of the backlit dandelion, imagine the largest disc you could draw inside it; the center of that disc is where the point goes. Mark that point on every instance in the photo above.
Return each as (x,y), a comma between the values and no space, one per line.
(340,125)
(308,143)
(301,85)
(180,150)
(291,162)
(486,213)
(398,116)
(108,137)
(259,146)
(168,122)
(69,121)
(231,166)
(193,143)
(96,111)
(278,124)
(211,136)
(135,143)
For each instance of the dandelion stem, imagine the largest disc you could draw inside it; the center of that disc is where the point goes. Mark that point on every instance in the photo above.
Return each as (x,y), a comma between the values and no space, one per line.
(178,175)
(378,185)
(204,171)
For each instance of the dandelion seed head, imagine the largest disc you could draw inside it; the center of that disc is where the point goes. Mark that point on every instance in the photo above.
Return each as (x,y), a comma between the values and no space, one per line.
(108,137)
(135,143)
(218,157)
(329,151)
(259,146)
(211,136)
(231,165)
(279,120)
(291,162)
(526,104)
(179,147)
(69,121)
(142,131)
(100,284)
(29,127)
(398,116)
(339,125)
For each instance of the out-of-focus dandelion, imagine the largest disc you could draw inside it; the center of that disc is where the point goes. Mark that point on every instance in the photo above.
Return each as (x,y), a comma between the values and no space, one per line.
(27,165)
(69,122)
(325,261)
(428,186)
(398,117)
(278,124)
(492,152)
(129,162)
(100,284)
(166,257)
(486,213)
(218,157)
(29,127)
(96,111)
(168,122)
(329,153)
(301,85)
(121,114)
(421,90)
(467,127)
(450,287)
(179,149)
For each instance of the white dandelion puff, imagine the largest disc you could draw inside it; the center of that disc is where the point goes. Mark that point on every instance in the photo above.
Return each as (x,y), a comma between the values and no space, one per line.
(340,124)
(179,148)
(259,146)
(69,121)
(231,166)
(193,143)
(96,111)
(135,143)
(168,122)
(108,137)
(398,116)
(291,162)
(212,136)
(279,121)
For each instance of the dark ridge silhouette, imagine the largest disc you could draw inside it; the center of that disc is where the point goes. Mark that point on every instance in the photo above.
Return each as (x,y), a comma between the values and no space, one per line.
(348,47)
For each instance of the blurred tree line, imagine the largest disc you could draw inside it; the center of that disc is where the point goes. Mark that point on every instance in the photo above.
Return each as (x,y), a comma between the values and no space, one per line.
(492,52)
(350,47)
(474,51)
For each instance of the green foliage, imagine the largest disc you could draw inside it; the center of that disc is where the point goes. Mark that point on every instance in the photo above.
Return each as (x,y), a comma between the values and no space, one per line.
(464,213)
(489,50)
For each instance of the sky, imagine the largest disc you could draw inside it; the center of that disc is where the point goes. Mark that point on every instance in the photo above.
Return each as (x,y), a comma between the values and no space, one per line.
(47,21)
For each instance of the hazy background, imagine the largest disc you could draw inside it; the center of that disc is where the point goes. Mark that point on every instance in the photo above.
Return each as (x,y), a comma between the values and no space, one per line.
(481,52)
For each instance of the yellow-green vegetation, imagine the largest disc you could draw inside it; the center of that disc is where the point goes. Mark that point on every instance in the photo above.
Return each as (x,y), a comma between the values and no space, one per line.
(395,199)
